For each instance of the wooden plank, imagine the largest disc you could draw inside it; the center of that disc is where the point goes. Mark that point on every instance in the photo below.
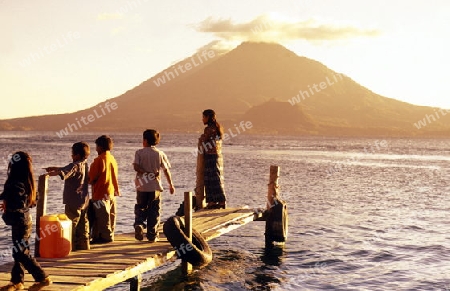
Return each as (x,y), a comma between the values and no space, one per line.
(211,216)
(223,221)
(219,221)
(72,279)
(80,272)
(70,285)
(225,229)
(83,266)
(131,272)
(4,277)
(109,264)
(60,287)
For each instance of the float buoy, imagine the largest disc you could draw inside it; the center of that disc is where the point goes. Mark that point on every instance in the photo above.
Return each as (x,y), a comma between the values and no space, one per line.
(196,251)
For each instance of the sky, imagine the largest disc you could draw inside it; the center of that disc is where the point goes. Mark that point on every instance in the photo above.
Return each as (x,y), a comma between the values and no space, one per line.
(60,56)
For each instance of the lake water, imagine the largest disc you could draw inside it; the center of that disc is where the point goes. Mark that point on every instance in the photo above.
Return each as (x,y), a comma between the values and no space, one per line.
(364,214)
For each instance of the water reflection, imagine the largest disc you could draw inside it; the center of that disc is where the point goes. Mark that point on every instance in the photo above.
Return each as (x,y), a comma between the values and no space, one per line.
(174,280)
(230,270)
(273,254)
(266,276)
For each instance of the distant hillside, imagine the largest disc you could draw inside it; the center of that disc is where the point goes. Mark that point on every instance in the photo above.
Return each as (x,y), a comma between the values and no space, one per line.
(275,89)
(280,117)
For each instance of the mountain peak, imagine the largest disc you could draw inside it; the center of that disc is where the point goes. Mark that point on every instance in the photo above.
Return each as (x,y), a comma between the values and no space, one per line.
(253,45)
(270,49)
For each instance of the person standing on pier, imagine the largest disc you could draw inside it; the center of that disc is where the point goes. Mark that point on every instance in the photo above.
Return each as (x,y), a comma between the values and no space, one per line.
(75,194)
(18,196)
(103,176)
(210,144)
(148,163)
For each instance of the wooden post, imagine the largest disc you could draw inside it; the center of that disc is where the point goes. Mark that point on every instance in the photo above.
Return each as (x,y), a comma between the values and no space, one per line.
(200,200)
(276,213)
(41,209)
(135,283)
(273,191)
(186,267)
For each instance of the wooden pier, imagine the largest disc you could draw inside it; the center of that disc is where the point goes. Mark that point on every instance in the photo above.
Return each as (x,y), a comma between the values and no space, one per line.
(126,259)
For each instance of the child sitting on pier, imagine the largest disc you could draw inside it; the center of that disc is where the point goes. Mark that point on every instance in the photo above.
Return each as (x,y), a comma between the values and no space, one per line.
(75,194)
(148,163)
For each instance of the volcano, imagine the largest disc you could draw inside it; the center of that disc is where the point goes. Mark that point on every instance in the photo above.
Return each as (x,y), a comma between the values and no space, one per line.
(266,84)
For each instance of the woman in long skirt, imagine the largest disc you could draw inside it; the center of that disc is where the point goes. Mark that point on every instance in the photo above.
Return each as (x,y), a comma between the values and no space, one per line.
(210,144)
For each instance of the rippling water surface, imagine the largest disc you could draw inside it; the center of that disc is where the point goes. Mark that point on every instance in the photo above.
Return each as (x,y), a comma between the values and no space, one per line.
(364,214)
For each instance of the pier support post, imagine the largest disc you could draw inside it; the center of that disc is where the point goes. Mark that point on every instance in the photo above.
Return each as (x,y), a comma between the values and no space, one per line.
(135,283)
(41,209)
(200,198)
(186,267)
(273,191)
(276,213)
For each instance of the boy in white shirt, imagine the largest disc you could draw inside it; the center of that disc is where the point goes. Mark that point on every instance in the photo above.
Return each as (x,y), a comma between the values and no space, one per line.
(148,163)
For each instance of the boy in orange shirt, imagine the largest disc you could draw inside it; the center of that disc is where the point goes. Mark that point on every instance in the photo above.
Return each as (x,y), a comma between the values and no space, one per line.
(103,176)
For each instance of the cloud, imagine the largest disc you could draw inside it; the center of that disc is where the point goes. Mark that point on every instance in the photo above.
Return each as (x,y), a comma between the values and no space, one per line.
(109,16)
(219,47)
(266,28)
